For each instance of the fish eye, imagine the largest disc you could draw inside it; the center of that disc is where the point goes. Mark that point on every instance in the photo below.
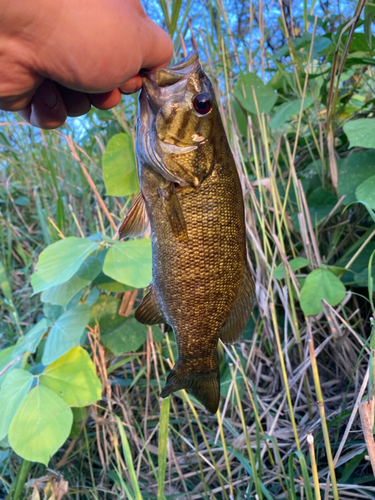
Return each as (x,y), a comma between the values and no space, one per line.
(202,103)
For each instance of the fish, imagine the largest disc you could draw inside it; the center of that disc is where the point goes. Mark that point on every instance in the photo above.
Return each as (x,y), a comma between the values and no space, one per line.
(191,198)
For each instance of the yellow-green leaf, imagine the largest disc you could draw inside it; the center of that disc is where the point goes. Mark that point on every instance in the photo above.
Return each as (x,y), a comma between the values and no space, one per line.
(73,378)
(40,426)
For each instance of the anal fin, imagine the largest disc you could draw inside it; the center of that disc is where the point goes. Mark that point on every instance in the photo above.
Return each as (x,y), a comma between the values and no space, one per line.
(136,220)
(243,304)
(173,210)
(148,312)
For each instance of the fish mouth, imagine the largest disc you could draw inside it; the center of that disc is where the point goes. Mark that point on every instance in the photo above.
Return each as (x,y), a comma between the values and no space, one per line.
(161,84)
(158,88)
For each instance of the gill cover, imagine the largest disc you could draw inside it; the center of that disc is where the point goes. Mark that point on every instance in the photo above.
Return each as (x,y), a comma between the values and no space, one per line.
(174,135)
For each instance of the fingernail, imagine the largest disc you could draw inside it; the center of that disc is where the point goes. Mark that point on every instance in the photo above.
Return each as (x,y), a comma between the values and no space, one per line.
(49,99)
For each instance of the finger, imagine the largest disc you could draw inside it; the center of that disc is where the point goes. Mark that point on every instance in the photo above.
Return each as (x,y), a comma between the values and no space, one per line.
(132,85)
(46,109)
(158,46)
(76,103)
(105,100)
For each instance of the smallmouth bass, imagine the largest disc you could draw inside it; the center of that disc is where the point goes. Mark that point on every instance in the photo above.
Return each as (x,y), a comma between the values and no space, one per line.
(192,198)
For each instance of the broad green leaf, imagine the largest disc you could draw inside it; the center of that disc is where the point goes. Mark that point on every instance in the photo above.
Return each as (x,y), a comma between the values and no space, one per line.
(16,385)
(119,167)
(288,109)
(265,96)
(62,294)
(106,283)
(361,132)
(7,362)
(366,191)
(40,426)
(66,333)
(73,378)
(130,262)
(125,337)
(353,171)
(30,341)
(320,284)
(295,264)
(60,261)
(320,203)
(52,311)
(105,313)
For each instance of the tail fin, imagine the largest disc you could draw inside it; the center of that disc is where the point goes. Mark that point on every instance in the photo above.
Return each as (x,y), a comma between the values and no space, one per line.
(204,386)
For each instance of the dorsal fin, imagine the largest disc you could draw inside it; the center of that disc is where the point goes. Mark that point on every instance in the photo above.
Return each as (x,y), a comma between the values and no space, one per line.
(243,304)
(136,220)
(148,312)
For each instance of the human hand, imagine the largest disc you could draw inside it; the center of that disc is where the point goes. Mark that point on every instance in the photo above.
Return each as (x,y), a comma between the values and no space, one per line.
(58,58)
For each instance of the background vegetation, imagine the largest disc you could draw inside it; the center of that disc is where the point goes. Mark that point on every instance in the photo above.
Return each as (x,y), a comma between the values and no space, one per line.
(295,84)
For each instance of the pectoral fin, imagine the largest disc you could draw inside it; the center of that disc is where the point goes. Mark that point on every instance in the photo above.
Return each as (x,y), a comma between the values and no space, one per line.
(243,304)
(148,312)
(136,220)
(173,210)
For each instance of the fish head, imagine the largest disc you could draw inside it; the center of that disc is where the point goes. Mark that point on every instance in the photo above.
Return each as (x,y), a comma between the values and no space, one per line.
(178,116)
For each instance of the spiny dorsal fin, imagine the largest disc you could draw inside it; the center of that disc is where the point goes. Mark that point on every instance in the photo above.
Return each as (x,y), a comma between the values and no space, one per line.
(148,312)
(136,220)
(243,304)
(173,210)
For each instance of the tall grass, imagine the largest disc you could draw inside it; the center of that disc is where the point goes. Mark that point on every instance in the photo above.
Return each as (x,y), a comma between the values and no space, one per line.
(288,426)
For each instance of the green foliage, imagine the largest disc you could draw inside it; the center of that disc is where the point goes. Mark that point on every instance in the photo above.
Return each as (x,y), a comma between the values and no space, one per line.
(62,294)
(361,132)
(249,84)
(66,333)
(60,261)
(16,385)
(119,169)
(321,284)
(126,336)
(40,426)
(366,191)
(353,171)
(129,262)
(73,378)
(288,109)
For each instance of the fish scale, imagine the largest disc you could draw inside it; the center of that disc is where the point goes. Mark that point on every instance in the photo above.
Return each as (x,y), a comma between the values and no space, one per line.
(201,283)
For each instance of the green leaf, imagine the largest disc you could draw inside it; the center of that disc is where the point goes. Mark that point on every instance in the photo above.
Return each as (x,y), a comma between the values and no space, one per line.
(288,109)
(265,96)
(7,360)
(40,426)
(353,171)
(66,333)
(30,341)
(60,261)
(295,264)
(16,385)
(73,378)
(321,284)
(366,191)
(128,336)
(62,294)
(361,132)
(320,203)
(106,283)
(119,167)
(130,262)
(104,311)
